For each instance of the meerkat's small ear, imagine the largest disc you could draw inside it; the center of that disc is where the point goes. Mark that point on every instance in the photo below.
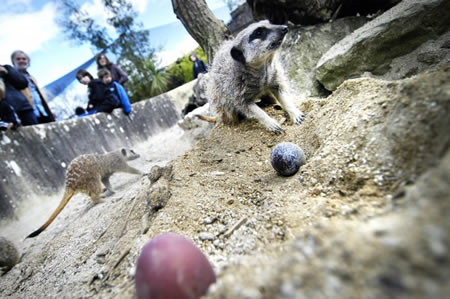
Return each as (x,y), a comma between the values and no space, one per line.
(237,55)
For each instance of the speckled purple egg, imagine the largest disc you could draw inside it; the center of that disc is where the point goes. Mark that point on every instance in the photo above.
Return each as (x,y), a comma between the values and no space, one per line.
(286,158)
(172,267)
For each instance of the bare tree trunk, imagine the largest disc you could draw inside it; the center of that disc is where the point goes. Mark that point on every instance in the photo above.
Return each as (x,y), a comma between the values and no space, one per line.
(201,24)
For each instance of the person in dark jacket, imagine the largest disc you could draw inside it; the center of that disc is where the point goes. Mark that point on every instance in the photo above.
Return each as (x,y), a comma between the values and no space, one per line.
(199,67)
(33,93)
(8,117)
(116,73)
(100,98)
(118,92)
(15,82)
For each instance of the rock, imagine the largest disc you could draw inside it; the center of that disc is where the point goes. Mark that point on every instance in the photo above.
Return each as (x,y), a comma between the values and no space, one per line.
(372,47)
(286,158)
(310,12)
(159,195)
(156,172)
(198,98)
(396,143)
(171,266)
(205,236)
(9,255)
(304,46)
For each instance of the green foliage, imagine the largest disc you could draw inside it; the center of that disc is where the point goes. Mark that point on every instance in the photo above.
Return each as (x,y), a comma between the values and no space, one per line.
(181,71)
(143,85)
(130,43)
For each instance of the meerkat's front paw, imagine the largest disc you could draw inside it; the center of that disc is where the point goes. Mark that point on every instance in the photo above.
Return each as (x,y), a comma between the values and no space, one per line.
(298,117)
(273,126)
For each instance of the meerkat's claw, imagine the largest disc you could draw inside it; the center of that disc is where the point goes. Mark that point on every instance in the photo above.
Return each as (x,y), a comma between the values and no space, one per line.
(299,118)
(276,129)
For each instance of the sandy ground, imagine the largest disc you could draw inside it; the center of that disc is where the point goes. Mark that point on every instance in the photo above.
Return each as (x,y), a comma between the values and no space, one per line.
(357,221)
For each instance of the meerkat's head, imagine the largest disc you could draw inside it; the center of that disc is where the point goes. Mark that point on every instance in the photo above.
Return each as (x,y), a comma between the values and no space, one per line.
(256,44)
(128,154)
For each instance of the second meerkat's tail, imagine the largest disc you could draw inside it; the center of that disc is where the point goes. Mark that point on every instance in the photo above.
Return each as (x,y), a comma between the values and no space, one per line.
(209,119)
(67,196)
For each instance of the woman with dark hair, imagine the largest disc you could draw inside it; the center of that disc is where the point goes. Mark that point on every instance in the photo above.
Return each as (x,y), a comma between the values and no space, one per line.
(116,73)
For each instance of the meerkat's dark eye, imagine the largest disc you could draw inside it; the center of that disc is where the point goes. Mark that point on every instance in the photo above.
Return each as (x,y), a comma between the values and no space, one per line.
(259,33)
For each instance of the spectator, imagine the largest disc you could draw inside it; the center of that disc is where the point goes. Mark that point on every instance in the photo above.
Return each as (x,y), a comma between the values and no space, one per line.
(33,93)
(14,82)
(116,73)
(118,92)
(199,67)
(100,98)
(8,117)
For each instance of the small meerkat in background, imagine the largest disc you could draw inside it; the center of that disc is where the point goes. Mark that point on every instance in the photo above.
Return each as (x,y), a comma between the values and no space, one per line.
(86,173)
(243,70)
(9,255)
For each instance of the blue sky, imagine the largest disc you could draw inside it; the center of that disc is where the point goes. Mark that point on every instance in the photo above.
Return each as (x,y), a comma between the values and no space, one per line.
(30,25)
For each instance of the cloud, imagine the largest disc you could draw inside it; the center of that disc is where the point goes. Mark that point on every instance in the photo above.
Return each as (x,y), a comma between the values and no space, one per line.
(27,31)
(214,4)
(96,10)
(182,48)
(139,5)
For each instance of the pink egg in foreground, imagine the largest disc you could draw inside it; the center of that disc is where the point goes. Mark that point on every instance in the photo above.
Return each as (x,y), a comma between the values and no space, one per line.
(172,267)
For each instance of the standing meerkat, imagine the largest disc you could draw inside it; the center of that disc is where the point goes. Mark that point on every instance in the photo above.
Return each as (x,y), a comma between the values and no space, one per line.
(243,70)
(86,174)
(9,255)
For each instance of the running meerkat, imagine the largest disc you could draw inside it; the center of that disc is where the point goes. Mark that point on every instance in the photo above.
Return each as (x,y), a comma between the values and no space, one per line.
(243,70)
(9,255)
(86,173)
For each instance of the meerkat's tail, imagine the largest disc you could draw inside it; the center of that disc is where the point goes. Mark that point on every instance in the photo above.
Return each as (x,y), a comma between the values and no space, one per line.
(209,119)
(67,196)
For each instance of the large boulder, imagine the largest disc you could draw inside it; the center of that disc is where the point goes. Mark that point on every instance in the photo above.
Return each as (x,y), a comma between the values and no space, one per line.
(304,46)
(309,12)
(372,47)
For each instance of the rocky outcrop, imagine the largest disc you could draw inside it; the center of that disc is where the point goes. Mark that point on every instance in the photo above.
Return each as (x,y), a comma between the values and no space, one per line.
(241,17)
(310,12)
(395,33)
(304,46)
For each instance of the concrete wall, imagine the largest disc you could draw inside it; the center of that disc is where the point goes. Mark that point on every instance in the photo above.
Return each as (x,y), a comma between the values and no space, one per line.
(34,159)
